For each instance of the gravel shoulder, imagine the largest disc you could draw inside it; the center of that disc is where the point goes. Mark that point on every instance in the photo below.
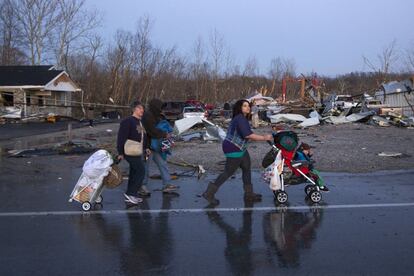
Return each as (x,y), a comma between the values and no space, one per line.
(350,148)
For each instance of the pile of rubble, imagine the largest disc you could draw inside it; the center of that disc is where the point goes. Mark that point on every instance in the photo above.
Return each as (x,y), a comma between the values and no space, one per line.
(391,105)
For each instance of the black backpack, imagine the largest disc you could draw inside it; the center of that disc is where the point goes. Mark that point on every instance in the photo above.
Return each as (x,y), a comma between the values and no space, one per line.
(269,158)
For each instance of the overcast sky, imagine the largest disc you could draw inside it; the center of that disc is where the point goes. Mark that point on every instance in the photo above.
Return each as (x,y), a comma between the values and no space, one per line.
(326,36)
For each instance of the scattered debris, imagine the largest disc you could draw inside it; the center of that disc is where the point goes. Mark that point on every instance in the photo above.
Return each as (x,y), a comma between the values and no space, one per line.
(191,136)
(380,121)
(312,121)
(185,124)
(287,118)
(390,154)
(355,117)
(199,169)
(10,112)
(66,148)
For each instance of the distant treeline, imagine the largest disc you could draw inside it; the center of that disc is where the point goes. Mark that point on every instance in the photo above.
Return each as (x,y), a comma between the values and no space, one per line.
(65,33)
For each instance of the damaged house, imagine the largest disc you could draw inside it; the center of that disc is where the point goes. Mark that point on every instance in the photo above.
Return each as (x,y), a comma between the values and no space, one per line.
(398,95)
(30,90)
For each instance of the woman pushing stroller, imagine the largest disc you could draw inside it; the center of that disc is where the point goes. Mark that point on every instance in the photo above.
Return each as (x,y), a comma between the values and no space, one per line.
(235,149)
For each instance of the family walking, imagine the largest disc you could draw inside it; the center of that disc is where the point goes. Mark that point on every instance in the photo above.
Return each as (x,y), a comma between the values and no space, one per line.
(135,136)
(140,136)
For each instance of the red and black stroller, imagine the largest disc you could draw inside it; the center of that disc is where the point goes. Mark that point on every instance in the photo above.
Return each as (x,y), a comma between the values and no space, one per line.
(281,168)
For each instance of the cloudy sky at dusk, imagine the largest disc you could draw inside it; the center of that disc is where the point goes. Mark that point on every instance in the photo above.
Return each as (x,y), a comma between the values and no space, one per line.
(326,36)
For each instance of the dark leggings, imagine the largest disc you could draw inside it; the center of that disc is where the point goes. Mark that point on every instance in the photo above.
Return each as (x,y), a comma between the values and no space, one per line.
(232,164)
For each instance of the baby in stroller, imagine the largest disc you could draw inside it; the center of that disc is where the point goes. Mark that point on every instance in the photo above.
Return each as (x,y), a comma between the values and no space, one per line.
(304,153)
(281,167)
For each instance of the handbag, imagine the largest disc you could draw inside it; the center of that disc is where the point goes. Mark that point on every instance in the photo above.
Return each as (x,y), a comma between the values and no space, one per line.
(134,148)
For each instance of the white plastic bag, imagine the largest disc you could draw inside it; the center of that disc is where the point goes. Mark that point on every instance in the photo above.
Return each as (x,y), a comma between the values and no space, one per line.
(276,175)
(98,165)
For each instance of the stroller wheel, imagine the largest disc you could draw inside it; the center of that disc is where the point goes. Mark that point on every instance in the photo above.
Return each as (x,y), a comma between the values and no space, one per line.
(86,206)
(309,188)
(281,197)
(315,196)
(99,199)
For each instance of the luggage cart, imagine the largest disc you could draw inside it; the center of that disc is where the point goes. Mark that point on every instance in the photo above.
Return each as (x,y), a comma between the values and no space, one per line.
(87,192)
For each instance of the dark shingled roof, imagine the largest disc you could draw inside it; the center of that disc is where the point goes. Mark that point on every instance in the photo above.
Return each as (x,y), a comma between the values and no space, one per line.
(27,75)
(26,68)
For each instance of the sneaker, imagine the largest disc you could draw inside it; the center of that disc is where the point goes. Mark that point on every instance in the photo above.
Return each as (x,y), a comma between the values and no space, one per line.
(129,199)
(169,188)
(143,191)
(324,189)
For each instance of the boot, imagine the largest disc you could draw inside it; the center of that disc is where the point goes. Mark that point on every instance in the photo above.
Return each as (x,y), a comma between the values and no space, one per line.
(209,194)
(249,195)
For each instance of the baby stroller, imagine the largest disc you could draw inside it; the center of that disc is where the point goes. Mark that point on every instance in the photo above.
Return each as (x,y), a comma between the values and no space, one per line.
(281,169)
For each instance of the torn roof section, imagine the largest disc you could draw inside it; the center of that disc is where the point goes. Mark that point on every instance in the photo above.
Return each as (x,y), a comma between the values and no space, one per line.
(397,86)
(42,77)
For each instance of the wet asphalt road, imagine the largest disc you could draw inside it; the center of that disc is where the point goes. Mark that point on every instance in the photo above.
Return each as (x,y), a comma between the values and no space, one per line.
(363,227)
(17,130)
(10,131)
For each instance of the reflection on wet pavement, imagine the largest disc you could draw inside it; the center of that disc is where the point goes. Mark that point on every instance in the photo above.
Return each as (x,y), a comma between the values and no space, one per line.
(365,218)
(288,233)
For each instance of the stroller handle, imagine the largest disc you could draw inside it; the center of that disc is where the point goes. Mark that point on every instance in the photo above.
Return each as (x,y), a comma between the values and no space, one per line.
(272,144)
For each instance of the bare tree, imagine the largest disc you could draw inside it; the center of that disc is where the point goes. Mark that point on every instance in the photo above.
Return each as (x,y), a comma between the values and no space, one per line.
(143,52)
(217,53)
(37,19)
(385,61)
(229,63)
(198,65)
(251,67)
(143,43)
(75,23)
(342,85)
(116,61)
(9,35)
(289,67)
(276,69)
(409,60)
(95,44)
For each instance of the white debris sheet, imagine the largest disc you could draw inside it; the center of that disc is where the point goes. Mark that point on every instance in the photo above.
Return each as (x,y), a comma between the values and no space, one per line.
(274,119)
(355,117)
(185,124)
(313,121)
(212,130)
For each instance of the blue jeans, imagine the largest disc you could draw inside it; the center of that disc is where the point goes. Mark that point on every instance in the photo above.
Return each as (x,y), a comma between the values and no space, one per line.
(162,166)
(136,174)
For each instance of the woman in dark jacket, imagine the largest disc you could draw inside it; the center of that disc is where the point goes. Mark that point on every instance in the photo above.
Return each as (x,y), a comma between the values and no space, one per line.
(131,129)
(237,156)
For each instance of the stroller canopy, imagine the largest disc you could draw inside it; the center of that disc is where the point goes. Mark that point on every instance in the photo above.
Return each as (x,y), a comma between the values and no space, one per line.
(287,140)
